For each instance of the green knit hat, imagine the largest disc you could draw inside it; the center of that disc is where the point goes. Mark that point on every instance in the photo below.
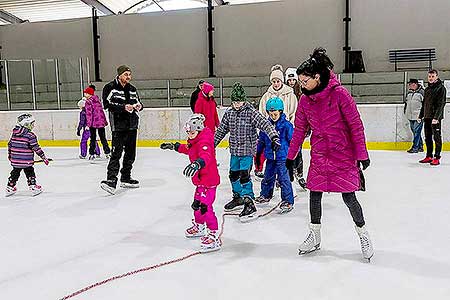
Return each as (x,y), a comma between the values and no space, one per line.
(238,93)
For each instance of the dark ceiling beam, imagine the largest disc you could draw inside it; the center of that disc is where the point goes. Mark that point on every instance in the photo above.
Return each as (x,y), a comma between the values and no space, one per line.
(99,6)
(10,18)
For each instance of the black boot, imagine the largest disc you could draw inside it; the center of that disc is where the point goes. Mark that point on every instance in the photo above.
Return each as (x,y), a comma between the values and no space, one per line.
(235,203)
(249,210)
(109,186)
(129,183)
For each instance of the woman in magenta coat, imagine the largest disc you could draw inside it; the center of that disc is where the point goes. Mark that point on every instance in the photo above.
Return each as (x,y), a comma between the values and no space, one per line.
(96,121)
(338,145)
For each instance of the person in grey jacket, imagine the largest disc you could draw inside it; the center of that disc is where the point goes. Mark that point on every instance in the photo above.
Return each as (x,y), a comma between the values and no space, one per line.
(413,105)
(242,121)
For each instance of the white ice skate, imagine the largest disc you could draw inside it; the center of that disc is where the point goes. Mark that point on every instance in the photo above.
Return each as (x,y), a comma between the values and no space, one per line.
(312,241)
(10,190)
(366,243)
(35,189)
(92,159)
(195,231)
(210,243)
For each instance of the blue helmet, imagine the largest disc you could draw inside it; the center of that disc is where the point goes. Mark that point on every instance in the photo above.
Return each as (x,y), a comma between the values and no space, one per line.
(274,104)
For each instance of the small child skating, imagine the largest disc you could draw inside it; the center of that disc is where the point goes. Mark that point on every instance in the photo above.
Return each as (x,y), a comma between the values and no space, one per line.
(276,160)
(96,121)
(82,126)
(21,148)
(241,121)
(205,176)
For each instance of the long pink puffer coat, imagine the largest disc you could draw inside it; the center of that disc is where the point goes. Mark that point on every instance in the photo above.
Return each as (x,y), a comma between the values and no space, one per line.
(337,140)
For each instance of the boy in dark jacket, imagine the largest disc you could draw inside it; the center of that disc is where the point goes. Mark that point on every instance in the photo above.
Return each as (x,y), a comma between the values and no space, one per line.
(432,113)
(241,121)
(21,148)
(276,160)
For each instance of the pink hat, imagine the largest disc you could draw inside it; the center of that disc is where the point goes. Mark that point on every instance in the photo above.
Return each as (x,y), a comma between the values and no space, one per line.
(207,87)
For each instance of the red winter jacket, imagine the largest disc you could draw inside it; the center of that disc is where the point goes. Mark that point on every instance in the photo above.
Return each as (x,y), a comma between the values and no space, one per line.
(337,140)
(203,147)
(207,107)
(95,115)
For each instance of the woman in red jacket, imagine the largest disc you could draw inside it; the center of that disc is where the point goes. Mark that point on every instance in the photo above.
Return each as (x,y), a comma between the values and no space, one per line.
(205,176)
(207,106)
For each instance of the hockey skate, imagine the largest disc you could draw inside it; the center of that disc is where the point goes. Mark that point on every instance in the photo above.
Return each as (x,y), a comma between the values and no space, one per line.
(248,213)
(10,190)
(312,241)
(235,203)
(366,243)
(262,200)
(259,175)
(108,186)
(129,183)
(210,243)
(92,159)
(285,207)
(82,157)
(196,230)
(35,189)
(108,156)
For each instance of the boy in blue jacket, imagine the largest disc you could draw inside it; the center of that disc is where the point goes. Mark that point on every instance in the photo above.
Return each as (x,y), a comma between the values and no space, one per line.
(276,160)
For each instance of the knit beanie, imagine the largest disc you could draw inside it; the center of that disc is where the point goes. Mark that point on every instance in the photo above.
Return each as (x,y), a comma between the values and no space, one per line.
(277,72)
(291,73)
(89,91)
(207,87)
(122,69)
(238,93)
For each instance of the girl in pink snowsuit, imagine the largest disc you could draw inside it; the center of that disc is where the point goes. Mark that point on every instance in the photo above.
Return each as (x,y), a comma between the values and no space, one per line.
(205,176)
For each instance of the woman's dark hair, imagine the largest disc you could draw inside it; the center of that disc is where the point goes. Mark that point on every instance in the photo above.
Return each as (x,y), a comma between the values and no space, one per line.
(318,63)
(92,86)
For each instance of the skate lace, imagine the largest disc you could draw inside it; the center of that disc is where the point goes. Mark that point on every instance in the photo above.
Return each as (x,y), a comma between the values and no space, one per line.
(310,238)
(365,244)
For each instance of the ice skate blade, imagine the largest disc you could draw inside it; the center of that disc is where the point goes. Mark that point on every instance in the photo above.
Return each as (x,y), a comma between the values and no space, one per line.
(207,250)
(108,189)
(34,194)
(237,208)
(300,252)
(284,211)
(9,194)
(129,185)
(191,237)
(249,218)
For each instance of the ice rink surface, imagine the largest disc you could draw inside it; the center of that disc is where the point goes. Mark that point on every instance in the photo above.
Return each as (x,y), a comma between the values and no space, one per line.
(74,235)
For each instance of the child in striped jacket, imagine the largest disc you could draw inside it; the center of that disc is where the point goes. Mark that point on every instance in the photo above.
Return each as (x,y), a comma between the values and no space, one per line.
(21,148)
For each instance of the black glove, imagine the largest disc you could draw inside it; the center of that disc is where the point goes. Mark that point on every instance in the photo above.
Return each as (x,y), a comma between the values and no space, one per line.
(258,160)
(195,205)
(193,167)
(170,146)
(78,132)
(276,144)
(290,167)
(365,163)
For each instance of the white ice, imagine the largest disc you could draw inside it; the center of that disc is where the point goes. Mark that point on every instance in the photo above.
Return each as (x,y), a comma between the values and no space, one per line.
(74,235)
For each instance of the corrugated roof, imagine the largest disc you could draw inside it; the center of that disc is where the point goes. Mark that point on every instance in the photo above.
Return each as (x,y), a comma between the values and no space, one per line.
(49,10)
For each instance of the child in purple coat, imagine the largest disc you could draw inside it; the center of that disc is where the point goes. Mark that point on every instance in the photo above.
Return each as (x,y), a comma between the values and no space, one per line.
(82,125)
(21,148)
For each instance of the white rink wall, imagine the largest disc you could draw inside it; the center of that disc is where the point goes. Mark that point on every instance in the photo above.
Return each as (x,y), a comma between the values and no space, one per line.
(383,123)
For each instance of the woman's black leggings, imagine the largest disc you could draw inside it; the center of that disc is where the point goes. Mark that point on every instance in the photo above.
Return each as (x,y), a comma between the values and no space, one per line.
(315,207)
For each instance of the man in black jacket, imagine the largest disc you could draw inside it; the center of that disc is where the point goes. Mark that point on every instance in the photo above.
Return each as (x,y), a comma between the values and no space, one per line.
(122,101)
(432,113)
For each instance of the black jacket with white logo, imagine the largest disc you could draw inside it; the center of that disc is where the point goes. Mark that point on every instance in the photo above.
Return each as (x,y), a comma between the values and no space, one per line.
(115,97)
